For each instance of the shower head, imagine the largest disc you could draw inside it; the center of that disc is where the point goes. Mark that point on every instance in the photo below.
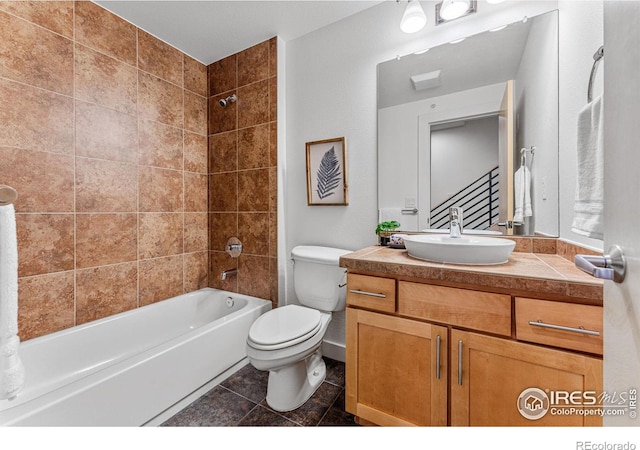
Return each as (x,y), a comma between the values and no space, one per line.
(225,101)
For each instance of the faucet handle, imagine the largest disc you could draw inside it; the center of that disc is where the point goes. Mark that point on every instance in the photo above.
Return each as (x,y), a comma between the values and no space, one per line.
(455,213)
(234,247)
(509,224)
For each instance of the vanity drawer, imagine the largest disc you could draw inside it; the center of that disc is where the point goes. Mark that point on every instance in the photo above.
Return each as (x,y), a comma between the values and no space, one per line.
(371,292)
(567,325)
(482,311)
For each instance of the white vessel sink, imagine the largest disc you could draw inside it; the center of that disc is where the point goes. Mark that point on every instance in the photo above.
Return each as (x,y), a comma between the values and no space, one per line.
(475,250)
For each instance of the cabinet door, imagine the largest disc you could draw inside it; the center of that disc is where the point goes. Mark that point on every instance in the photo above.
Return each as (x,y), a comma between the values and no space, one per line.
(493,379)
(396,370)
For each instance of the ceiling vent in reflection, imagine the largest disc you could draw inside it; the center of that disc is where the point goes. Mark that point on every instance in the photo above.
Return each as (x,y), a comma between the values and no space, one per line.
(426,80)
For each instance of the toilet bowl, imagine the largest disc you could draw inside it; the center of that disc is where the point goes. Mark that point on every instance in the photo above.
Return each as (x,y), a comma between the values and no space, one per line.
(286,341)
(293,359)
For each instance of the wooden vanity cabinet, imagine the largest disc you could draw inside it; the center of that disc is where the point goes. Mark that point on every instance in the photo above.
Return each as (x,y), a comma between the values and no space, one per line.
(489,374)
(448,356)
(397,369)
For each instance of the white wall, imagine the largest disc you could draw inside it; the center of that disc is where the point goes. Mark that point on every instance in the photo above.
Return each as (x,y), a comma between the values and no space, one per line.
(331,92)
(537,122)
(461,155)
(581,34)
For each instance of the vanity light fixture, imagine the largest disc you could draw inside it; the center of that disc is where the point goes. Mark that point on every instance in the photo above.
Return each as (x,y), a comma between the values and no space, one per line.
(454,9)
(414,19)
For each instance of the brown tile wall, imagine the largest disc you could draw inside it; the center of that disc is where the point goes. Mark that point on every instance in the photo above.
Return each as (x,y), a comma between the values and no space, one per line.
(242,170)
(103,132)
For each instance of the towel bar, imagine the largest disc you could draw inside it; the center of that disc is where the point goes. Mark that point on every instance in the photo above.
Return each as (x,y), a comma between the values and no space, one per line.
(8,195)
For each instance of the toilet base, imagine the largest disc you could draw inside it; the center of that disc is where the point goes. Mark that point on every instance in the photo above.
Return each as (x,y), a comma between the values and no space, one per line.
(291,386)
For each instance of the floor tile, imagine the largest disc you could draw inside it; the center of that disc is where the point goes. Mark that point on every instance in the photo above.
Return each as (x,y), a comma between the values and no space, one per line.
(263,417)
(335,372)
(240,400)
(336,415)
(248,382)
(219,407)
(315,408)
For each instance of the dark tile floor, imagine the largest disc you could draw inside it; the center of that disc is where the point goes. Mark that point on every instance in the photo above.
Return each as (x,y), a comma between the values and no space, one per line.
(240,401)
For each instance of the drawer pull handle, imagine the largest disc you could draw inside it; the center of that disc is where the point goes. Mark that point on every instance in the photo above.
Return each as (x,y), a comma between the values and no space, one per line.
(370,294)
(460,363)
(580,330)
(438,357)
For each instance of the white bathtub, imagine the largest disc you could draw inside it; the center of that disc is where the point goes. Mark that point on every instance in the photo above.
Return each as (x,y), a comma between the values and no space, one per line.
(134,368)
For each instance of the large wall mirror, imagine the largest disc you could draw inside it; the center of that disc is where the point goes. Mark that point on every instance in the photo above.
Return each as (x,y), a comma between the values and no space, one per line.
(474,124)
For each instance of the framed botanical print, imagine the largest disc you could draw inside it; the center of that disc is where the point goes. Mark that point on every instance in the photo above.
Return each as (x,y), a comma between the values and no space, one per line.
(327,172)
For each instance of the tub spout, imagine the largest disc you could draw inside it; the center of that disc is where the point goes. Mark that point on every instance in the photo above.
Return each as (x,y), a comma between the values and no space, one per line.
(228,273)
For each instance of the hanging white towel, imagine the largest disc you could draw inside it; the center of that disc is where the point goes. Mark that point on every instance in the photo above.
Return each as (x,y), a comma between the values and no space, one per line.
(588,218)
(522,192)
(12,371)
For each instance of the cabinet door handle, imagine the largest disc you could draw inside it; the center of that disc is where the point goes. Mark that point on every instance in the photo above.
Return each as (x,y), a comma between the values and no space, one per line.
(438,357)
(460,363)
(370,294)
(580,330)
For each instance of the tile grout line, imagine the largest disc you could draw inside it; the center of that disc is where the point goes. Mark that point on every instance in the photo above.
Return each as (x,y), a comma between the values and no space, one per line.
(75,156)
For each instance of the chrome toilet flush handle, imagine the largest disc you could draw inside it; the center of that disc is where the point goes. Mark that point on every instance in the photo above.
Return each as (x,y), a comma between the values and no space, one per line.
(612,266)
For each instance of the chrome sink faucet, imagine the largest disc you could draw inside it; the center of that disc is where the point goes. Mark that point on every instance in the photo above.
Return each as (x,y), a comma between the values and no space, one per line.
(455,222)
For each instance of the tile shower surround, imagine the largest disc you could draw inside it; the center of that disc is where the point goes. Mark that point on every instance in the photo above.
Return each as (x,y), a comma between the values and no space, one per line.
(104,133)
(242,170)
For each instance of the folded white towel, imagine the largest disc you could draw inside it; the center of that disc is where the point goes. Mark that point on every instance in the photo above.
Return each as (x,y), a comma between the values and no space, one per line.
(522,192)
(588,218)
(12,371)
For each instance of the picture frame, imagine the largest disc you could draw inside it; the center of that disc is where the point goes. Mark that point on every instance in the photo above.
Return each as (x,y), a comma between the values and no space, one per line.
(327,172)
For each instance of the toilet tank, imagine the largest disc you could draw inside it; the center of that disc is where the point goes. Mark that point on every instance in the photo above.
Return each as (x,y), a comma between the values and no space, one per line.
(317,279)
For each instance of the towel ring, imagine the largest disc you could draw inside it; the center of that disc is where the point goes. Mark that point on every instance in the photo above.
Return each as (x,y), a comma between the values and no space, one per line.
(523,154)
(597,56)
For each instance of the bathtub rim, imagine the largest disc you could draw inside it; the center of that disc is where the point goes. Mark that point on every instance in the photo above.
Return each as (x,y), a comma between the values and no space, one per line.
(38,401)
(110,318)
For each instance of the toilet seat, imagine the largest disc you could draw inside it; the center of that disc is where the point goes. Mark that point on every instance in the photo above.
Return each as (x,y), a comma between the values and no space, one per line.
(284,327)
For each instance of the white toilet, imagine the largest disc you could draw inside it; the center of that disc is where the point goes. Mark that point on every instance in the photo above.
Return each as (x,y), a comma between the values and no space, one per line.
(287,341)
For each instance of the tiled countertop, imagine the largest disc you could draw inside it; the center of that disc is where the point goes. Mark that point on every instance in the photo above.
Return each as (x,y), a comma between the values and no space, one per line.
(535,275)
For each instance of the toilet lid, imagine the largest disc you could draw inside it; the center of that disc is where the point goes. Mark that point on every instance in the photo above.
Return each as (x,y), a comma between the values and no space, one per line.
(285,326)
